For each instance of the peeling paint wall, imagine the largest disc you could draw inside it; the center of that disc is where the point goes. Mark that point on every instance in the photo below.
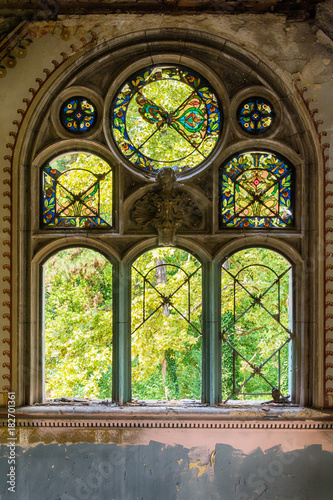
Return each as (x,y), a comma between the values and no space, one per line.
(170,465)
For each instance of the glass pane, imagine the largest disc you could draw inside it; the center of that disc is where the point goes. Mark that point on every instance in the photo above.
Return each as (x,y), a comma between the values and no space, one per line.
(166,116)
(256,324)
(166,325)
(255,115)
(78,324)
(78,115)
(256,191)
(77,192)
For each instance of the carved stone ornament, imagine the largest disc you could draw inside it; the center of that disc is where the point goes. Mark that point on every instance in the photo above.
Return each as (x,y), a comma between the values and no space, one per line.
(166,208)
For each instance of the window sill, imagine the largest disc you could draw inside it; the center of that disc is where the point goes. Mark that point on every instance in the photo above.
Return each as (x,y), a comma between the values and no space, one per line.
(171,415)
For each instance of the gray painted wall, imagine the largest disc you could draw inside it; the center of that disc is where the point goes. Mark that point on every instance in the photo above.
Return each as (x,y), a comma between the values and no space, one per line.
(157,471)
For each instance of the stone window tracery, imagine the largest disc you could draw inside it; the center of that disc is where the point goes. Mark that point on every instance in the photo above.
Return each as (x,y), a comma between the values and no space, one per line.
(210,193)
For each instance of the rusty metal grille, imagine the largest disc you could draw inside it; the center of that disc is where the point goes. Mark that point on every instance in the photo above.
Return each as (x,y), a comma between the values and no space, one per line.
(165,299)
(166,325)
(256,325)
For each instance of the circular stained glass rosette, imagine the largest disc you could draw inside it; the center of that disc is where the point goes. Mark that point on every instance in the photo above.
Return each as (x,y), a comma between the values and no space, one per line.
(166,116)
(78,115)
(255,115)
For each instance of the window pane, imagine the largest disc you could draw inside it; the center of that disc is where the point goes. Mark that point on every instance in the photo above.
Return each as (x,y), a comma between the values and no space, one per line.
(256,191)
(78,114)
(78,324)
(256,324)
(166,116)
(77,192)
(255,115)
(166,325)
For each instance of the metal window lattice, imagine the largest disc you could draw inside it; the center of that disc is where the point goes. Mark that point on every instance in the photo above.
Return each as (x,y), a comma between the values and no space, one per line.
(166,116)
(255,328)
(166,299)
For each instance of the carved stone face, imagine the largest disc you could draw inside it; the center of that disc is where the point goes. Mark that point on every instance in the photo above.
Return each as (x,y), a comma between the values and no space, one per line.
(166,176)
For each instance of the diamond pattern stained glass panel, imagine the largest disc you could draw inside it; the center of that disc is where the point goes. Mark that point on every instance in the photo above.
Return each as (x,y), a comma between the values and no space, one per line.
(256,191)
(77,192)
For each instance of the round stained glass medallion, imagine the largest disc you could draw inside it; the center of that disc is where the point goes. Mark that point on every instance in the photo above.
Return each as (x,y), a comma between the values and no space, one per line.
(78,114)
(166,116)
(255,115)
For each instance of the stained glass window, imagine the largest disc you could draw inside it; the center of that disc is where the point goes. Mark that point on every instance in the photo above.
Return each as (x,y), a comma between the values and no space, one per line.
(255,115)
(166,116)
(77,192)
(256,191)
(256,325)
(78,115)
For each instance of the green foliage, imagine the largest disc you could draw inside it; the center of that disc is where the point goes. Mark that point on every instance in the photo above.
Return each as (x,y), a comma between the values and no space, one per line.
(166,339)
(156,133)
(166,143)
(166,324)
(227,326)
(255,315)
(256,191)
(78,188)
(78,324)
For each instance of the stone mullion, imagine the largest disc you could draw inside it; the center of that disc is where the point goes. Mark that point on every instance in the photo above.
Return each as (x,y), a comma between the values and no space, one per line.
(211,341)
(121,365)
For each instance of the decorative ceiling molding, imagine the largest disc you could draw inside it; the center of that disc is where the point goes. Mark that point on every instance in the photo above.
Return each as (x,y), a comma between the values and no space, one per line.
(13,47)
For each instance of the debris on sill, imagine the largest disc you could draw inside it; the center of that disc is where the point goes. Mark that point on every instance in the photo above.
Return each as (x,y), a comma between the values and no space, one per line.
(278,398)
(281,402)
(63,401)
(76,402)
(184,403)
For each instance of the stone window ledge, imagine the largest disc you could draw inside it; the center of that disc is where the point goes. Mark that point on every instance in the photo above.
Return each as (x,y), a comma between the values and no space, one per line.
(149,411)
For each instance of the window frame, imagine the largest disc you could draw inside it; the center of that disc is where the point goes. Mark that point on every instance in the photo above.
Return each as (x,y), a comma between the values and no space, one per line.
(299,369)
(44,244)
(211,316)
(293,184)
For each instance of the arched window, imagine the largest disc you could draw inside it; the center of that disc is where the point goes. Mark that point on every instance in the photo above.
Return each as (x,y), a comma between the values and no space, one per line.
(257,325)
(177,168)
(77,192)
(256,190)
